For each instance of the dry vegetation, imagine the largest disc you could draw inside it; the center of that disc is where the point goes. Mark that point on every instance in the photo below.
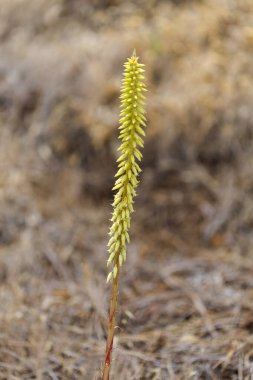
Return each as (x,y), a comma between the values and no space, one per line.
(187,288)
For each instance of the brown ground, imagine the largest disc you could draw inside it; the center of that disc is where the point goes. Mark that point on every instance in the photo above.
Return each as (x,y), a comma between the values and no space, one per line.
(186,293)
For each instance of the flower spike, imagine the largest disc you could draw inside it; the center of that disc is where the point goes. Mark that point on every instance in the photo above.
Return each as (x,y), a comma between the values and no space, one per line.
(132,123)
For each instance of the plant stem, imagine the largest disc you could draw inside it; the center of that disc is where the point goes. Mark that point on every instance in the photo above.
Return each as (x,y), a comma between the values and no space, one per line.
(111,327)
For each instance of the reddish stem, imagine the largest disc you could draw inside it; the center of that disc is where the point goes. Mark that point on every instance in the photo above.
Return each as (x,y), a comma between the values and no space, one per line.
(111,328)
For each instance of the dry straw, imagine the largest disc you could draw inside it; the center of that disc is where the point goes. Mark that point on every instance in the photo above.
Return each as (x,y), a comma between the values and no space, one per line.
(132,123)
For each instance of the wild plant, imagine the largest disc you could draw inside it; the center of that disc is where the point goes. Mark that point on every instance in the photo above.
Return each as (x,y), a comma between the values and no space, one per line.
(131,125)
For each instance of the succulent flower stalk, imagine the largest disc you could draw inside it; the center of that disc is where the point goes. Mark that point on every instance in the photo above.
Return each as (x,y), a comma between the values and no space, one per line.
(132,124)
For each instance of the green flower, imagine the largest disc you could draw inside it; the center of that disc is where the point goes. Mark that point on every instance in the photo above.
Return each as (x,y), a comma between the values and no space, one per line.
(132,123)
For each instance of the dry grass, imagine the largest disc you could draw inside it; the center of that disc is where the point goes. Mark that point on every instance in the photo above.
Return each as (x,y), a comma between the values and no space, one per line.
(186,292)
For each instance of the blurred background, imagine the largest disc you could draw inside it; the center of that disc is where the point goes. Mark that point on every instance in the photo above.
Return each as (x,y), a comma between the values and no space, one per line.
(187,287)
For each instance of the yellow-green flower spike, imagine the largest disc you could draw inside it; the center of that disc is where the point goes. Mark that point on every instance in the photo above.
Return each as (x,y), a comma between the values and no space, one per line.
(132,123)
